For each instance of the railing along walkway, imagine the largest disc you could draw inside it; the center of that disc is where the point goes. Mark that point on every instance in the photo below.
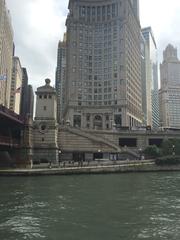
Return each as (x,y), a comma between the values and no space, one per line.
(8,141)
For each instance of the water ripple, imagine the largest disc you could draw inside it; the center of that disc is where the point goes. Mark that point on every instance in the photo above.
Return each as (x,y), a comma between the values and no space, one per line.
(27,225)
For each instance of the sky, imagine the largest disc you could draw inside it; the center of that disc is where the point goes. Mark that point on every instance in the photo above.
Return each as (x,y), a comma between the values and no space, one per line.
(39,24)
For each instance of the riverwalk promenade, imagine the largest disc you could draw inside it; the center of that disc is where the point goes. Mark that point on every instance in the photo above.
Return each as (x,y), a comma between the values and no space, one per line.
(95,168)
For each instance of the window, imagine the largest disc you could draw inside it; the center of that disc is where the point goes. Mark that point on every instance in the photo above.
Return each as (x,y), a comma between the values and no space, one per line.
(88,117)
(77,121)
(107,117)
(44,108)
(45,96)
(40,96)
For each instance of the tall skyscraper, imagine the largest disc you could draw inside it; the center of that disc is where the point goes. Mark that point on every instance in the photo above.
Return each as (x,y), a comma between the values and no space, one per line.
(24,92)
(103,81)
(6,53)
(147,116)
(135,4)
(27,96)
(60,78)
(16,86)
(169,93)
(151,63)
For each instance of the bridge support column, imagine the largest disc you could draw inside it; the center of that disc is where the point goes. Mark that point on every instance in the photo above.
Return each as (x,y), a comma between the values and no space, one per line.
(23,158)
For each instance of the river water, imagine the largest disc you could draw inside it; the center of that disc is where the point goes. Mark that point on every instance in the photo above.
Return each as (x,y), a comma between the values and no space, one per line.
(91,207)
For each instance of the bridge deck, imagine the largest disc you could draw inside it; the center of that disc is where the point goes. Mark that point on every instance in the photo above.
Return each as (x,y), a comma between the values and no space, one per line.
(11,125)
(10,116)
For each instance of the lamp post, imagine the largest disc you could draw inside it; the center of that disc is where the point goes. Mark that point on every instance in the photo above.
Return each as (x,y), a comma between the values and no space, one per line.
(173,149)
(59,160)
(140,153)
(99,155)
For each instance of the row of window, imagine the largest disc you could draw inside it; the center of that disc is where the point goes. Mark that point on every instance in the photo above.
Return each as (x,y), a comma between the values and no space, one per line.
(45,96)
(100,84)
(98,13)
(98,103)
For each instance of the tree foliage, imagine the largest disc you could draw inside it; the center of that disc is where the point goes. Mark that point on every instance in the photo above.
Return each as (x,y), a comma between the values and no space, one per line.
(152,151)
(170,147)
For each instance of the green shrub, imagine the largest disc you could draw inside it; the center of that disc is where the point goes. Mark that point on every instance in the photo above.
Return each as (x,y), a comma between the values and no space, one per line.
(152,151)
(167,146)
(168,160)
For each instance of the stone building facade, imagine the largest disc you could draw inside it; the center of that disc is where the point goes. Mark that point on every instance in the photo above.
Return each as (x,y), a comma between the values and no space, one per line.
(16,86)
(169,94)
(6,53)
(103,81)
(45,128)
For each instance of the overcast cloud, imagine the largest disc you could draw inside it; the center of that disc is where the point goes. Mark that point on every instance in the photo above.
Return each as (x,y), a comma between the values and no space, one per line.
(39,25)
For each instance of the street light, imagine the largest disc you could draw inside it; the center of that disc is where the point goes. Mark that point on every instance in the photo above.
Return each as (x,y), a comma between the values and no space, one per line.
(140,153)
(173,149)
(59,157)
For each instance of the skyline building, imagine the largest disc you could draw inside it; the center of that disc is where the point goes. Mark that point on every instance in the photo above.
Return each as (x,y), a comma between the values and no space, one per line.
(60,78)
(27,96)
(24,92)
(135,5)
(151,88)
(16,86)
(103,81)
(144,83)
(169,94)
(6,54)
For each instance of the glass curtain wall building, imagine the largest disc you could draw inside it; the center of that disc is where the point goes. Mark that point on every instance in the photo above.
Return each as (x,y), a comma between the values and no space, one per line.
(103,82)
(60,78)
(152,99)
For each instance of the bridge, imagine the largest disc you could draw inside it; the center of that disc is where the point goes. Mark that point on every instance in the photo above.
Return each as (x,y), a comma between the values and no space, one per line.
(11,130)
(11,125)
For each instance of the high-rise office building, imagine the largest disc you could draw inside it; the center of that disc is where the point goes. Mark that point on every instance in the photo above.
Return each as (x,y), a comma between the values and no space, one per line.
(147,118)
(16,86)
(151,90)
(6,53)
(103,81)
(169,93)
(24,92)
(27,96)
(30,101)
(135,4)
(60,78)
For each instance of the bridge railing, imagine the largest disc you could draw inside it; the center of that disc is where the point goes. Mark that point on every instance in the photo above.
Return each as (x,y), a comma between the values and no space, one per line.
(14,115)
(8,141)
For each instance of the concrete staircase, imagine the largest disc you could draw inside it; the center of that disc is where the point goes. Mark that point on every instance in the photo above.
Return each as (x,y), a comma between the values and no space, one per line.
(88,140)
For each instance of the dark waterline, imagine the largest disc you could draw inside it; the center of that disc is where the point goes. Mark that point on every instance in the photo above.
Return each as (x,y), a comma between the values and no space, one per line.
(91,207)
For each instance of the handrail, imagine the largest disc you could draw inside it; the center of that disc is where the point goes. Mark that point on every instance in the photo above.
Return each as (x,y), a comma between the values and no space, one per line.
(8,141)
(11,114)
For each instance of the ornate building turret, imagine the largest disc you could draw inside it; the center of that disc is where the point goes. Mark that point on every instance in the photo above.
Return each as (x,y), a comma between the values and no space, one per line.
(45,125)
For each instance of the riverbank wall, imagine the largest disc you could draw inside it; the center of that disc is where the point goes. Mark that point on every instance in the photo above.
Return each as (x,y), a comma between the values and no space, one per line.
(138,166)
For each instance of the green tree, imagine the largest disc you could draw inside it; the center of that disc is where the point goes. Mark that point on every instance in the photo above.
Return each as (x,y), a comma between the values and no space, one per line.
(170,146)
(152,151)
